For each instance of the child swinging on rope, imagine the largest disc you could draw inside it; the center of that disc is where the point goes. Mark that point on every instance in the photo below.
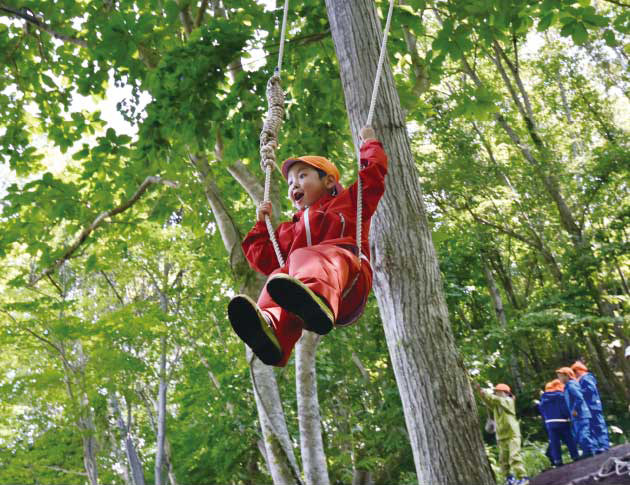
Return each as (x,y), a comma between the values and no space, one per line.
(323,283)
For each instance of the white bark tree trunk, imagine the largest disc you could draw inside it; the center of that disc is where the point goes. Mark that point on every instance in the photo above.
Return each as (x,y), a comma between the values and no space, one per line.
(88,432)
(86,418)
(279,449)
(120,459)
(137,470)
(279,456)
(151,405)
(161,417)
(310,423)
(438,404)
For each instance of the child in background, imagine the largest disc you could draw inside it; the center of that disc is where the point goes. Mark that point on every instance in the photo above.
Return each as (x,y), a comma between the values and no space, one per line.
(578,410)
(555,413)
(326,279)
(508,432)
(598,428)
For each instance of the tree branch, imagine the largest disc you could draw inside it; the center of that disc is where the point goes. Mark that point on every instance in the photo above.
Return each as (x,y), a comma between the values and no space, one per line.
(111,285)
(184,15)
(360,366)
(177,279)
(201,12)
(150,180)
(55,284)
(248,180)
(63,470)
(505,230)
(25,15)
(39,337)
(226,225)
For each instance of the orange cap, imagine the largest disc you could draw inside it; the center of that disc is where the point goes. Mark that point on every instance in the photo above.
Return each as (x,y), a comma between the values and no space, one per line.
(555,385)
(579,366)
(566,371)
(503,387)
(315,161)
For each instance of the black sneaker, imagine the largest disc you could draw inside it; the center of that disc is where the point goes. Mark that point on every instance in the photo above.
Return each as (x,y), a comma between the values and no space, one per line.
(295,297)
(252,327)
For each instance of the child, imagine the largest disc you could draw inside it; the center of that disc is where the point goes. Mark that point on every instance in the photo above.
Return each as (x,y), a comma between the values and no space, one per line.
(508,433)
(578,410)
(598,428)
(324,282)
(554,411)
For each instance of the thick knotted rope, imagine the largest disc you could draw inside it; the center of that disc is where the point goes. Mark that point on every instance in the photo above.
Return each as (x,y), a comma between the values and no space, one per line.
(271,128)
(269,144)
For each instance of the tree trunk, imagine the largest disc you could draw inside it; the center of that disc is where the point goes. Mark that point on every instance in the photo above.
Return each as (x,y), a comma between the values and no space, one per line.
(137,470)
(169,463)
(120,459)
(595,365)
(161,417)
(311,443)
(362,477)
(439,407)
(279,450)
(151,406)
(607,374)
(89,449)
(85,425)
(86,419)
(497,303)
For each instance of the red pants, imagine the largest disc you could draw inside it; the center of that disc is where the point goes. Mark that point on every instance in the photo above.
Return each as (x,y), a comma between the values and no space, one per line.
(328,271)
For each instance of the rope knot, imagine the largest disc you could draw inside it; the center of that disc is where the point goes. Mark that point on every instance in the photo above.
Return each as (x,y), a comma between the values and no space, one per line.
(273,120)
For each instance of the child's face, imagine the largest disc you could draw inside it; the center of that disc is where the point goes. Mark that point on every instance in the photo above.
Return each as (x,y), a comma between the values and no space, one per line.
(305,186)
(501,393)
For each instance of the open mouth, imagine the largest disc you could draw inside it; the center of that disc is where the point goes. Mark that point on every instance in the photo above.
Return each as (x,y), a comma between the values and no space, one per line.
(298,196)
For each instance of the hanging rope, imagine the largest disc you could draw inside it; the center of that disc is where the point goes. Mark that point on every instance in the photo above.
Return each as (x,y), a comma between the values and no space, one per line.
(275,114)
(268,146)
(377,82)
(271,127)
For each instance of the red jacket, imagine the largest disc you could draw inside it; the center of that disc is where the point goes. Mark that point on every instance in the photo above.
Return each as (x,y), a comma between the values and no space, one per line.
(330,220)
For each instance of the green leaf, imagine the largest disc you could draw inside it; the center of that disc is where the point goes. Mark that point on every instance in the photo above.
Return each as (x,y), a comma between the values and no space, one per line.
(567,30)
(609,37)
(546,21)
(593,19)
(90,264)
(48,81)
(579,33)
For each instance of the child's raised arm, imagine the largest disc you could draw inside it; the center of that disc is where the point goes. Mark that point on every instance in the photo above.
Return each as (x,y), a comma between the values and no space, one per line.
(373,171)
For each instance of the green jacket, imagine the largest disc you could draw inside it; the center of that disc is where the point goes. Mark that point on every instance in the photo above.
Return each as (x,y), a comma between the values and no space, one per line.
(504,415)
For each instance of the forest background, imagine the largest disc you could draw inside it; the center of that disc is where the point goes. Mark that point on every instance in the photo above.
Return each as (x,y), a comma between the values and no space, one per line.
(118,363)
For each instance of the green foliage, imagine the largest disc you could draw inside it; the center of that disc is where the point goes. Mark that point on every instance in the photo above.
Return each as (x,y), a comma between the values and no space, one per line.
(186,89)
(53,456)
